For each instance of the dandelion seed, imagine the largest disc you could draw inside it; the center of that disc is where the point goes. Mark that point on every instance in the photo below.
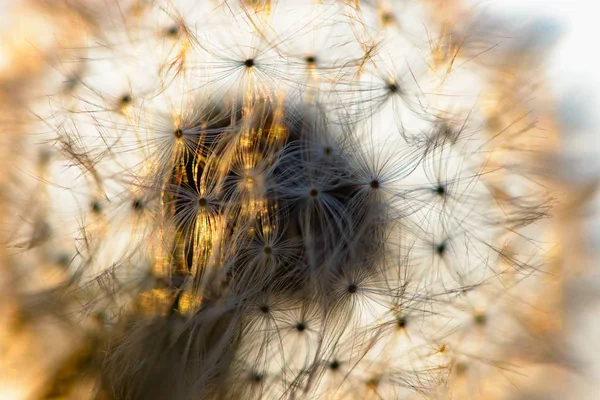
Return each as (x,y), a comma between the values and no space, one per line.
(394,88)
(402,322)
(173,31)
(461,368)
(480,318)
(125,99)
(138,205)
(311,60)
(334,365)
(440,249)
(96,207)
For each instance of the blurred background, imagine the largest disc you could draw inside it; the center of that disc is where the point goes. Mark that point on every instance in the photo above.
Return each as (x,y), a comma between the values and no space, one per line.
(568,30)
(566,33)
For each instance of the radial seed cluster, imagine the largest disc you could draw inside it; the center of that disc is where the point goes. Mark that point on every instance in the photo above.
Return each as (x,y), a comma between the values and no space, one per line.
(273,199)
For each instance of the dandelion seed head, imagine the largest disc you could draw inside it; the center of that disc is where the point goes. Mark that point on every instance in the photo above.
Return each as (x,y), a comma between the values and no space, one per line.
(262,193)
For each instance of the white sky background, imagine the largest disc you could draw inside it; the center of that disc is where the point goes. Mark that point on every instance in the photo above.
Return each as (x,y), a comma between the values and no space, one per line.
(573,68)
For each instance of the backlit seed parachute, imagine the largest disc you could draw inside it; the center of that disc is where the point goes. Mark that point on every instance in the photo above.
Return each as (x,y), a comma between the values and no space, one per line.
(276,199)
